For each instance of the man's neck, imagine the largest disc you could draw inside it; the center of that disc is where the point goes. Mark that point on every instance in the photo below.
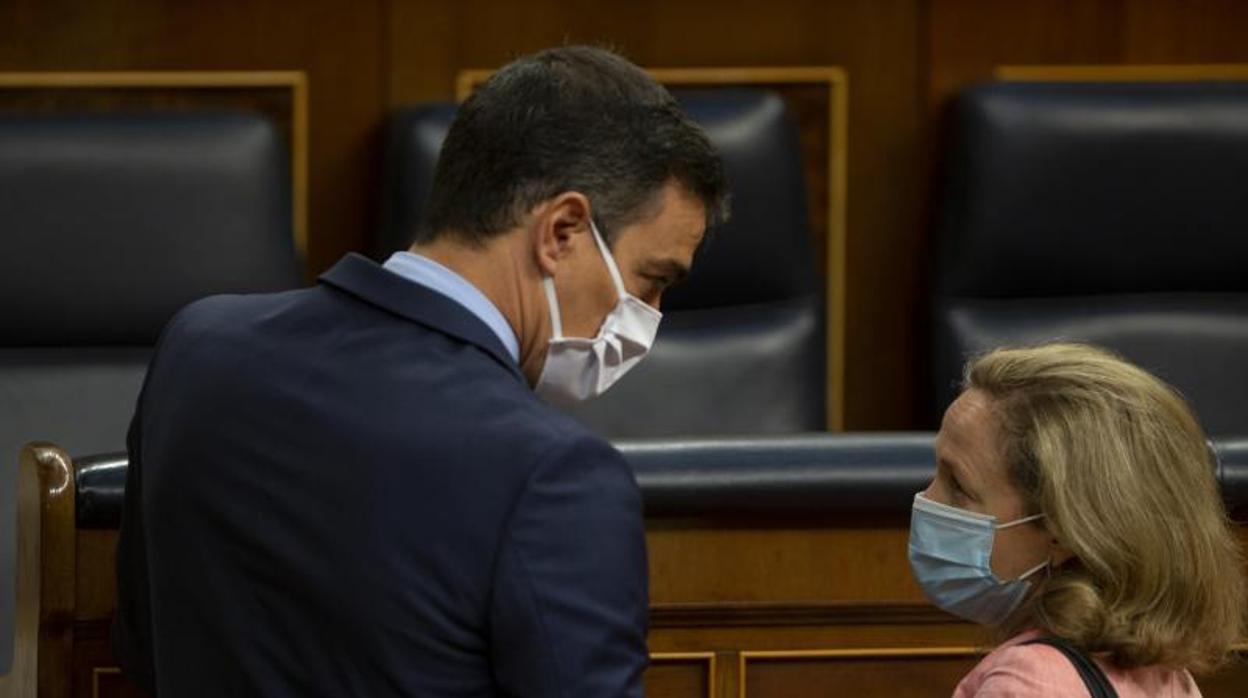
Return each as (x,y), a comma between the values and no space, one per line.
(502,273)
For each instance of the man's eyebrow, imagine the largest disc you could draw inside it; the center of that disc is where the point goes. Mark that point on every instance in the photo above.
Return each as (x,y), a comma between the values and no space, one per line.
(671,269)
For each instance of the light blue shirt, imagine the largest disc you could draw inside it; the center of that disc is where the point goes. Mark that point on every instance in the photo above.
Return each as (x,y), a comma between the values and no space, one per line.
(435,277)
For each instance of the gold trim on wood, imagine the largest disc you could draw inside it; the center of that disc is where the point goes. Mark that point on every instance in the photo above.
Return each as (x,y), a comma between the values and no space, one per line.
(96,672)
(838,171)
(296,81)
(1121,73)
(656,657)
(861,652)
(708,657)
(814,613)
(152,79)
(468,79)
(850,653)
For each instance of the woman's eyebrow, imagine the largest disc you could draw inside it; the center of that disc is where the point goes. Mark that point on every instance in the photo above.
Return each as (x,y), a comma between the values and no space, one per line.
(960,471)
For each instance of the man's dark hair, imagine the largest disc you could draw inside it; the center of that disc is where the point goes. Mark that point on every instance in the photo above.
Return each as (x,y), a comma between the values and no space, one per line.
(573,118)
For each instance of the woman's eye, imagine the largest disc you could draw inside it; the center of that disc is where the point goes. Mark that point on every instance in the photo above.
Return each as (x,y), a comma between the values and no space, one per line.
(956,488)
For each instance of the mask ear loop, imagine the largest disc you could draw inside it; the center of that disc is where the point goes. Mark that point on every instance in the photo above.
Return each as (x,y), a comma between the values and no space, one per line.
(548,283)
(1018,522)
(609,259)
(1042,566)
(556,321)
(1046,565)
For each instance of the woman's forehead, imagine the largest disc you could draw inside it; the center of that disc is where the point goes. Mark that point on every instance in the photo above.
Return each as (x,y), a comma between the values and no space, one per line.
(968,434)
(969,418)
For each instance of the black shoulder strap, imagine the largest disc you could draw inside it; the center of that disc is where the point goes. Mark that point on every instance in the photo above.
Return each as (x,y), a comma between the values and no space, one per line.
(1095,679)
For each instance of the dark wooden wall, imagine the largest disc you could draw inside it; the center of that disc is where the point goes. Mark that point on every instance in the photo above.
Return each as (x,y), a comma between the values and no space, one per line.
(904,57)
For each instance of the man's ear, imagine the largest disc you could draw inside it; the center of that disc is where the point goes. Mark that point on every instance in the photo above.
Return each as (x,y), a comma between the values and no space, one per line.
(560,226)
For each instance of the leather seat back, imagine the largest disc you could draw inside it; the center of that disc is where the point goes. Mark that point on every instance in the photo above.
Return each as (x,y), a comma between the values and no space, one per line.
(1105,213)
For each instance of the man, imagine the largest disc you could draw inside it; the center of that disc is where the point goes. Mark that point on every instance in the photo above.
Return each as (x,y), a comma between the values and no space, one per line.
(353,489)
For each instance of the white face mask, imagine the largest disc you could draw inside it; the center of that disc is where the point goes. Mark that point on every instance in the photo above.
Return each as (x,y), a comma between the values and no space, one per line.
(578,368)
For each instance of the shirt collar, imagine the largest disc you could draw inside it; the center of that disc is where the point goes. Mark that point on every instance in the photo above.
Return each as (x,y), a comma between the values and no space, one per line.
(436,277)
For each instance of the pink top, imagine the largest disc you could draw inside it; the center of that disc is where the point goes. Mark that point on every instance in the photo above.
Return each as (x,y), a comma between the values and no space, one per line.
(1014,670)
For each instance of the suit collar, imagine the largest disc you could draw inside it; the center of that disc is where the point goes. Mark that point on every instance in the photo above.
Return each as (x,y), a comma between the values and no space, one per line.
(368,281)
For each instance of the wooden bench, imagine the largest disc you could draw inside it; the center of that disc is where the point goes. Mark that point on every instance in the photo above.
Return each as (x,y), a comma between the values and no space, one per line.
(751,596)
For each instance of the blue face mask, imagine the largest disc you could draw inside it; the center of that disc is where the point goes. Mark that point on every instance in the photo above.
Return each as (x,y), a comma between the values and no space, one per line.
(950,550)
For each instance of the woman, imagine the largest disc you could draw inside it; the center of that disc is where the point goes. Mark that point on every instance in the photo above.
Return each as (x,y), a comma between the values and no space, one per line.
(1075,500)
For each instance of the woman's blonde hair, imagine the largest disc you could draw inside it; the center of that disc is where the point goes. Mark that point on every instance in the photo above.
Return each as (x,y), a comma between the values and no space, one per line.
(1121,469)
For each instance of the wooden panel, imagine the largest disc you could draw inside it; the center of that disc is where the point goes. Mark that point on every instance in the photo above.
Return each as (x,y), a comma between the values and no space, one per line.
(95,670)
(861,671)
(96,673)
(968,38)
(785,561)
(338,45)
(866,672)
(681,676)
(1229,682)
(96,593)
(107,682)
(831,590)
(58,567)
(1186,31)
(431,41)
(886,672)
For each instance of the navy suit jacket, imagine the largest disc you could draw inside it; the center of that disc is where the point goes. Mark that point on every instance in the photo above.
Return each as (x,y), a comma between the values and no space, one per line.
(350,490)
